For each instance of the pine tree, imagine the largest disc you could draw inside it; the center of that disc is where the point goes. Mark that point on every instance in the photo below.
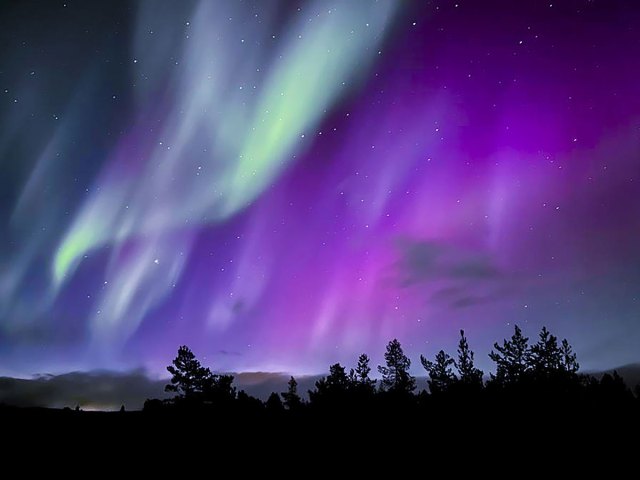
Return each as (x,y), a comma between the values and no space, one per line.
(219,389)
(337,380)
(291,398)
(545,356)
(441,377)
(395,376)
(274,403)
(613,389)
(469,375)
(331,388)
(512,359)
(188,377)
(569,362)
(359,377)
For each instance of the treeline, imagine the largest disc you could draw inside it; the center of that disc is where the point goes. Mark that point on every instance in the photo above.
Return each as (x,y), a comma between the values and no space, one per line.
(542,375)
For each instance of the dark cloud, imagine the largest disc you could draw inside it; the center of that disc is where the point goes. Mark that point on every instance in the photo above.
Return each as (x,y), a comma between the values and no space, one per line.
(447,294)
(422,261)
(469,301)
(451,275)
(233,353)
(474,268)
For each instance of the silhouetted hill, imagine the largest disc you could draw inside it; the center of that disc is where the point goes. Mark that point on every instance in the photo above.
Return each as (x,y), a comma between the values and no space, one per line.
(104,390)
(95,390)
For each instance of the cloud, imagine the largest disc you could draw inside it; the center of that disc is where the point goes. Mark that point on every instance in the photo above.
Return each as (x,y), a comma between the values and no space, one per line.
(232,353)
(469,301)
(425,260)
(474,268)
(449,274)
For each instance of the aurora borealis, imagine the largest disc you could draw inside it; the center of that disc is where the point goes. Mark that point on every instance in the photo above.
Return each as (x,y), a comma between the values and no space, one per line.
(282,185)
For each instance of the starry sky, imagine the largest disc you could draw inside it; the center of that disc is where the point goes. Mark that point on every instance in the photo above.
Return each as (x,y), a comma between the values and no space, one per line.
(283,185)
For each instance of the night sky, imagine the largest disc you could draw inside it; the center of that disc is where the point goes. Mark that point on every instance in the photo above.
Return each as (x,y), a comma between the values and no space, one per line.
(284,185)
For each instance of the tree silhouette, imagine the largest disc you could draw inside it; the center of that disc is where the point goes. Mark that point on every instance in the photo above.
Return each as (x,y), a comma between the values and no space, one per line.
(512,359)
(337,379)
(395,376)
(219,389)
(545,356)
(188,377)
(247,403)
(569,362)
(332,388)
(441,377)
(359,377)
(542,378)
(469,375)
(291,398)
(613,389)
(274,403)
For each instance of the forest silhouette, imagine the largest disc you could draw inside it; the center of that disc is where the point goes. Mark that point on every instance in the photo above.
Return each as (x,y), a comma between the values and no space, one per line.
(534,399)
(532,379)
